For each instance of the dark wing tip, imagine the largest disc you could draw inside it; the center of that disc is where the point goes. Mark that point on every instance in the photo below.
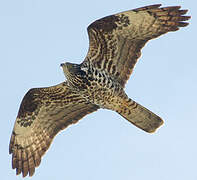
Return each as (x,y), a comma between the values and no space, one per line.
(26,165)
(171,17)
(183,24)
(183,11)
(171,8)
(26,159)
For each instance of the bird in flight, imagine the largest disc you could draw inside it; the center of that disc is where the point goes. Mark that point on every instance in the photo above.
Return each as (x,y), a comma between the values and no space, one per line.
(115,44)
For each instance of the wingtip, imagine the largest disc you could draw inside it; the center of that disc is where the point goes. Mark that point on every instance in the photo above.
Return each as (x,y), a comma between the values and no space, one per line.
(183,24)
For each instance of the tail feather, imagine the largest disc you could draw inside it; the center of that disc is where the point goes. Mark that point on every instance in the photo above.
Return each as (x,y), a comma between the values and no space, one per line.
(140,116)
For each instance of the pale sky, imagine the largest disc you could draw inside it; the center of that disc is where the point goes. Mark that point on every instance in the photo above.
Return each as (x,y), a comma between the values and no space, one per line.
(36,36)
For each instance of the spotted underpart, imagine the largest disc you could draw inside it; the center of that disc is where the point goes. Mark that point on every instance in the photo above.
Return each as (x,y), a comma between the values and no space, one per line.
(98,82)
(95,85)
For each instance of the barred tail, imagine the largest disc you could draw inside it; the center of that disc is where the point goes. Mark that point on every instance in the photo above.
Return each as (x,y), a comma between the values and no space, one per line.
(140,116)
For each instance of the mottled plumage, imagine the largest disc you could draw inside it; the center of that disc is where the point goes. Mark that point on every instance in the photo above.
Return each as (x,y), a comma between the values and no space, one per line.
(98,82)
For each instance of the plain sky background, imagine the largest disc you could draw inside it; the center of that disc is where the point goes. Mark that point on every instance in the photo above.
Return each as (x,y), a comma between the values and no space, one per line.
(37,35)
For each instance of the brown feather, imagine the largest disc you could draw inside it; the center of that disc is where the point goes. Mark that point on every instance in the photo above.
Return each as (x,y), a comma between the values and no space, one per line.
(32,137)
(116,40)
(115,44)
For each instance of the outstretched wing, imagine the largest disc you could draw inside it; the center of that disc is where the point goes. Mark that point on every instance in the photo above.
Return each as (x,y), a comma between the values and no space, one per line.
(115,41)
(42,114)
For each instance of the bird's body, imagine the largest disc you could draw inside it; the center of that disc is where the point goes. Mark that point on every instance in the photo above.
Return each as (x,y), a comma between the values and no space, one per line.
(98,82)
(96,86)
(100,88)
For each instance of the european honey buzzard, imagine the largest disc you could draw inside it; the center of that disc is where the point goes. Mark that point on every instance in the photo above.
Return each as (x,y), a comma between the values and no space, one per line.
(115,44)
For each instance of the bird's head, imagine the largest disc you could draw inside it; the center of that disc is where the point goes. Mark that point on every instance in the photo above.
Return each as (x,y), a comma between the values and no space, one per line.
(73,72)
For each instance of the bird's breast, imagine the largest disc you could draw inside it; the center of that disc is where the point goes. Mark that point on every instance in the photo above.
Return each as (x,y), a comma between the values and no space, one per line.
(101,90)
